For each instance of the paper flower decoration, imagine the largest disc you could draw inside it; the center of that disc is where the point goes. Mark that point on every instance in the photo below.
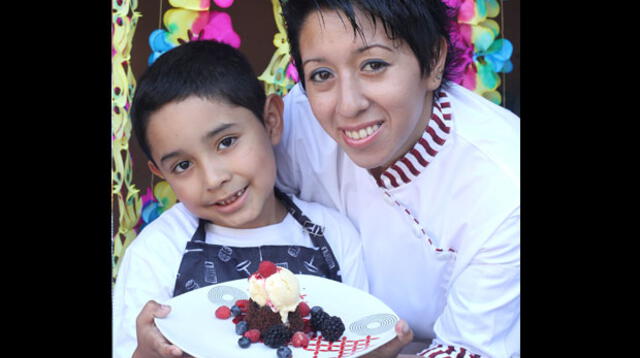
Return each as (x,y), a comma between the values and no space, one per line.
(155,203)
(280,74)
(483,54)
(192,21)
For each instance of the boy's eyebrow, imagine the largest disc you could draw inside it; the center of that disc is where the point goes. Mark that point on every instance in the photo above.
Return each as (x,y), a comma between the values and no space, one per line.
(169,156)
(212,133)
(360,50)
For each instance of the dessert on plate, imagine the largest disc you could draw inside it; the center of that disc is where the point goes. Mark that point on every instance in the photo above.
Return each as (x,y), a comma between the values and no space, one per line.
(276,315)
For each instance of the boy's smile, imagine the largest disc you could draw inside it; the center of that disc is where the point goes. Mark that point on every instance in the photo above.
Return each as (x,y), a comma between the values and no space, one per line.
(218,159)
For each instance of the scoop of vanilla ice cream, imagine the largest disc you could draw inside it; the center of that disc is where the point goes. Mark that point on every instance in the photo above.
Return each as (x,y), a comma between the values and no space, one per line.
(281,291)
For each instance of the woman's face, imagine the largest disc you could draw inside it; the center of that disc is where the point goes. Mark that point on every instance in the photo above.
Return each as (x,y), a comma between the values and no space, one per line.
(368,95)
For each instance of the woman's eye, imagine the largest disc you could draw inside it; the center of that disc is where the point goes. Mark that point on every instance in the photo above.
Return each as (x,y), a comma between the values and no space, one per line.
(320,76)
(181,167)
(375,66)
(227,142)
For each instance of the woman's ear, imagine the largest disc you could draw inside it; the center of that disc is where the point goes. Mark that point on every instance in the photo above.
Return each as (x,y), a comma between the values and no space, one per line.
(437,72)
(154,169)
(273,117)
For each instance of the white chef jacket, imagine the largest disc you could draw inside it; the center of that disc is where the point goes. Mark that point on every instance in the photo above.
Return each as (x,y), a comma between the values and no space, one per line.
(440,228)
(150,264)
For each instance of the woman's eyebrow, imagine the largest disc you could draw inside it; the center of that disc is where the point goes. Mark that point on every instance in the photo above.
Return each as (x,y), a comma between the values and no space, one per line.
(368,47)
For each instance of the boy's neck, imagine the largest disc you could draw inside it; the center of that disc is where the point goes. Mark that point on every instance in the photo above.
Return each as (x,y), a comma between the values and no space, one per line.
(276,209)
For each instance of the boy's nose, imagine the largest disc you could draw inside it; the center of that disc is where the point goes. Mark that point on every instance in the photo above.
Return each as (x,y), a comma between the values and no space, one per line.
(351,99)
(215,176)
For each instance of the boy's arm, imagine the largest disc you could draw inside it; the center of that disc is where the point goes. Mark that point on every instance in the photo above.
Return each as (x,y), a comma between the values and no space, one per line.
(145,274)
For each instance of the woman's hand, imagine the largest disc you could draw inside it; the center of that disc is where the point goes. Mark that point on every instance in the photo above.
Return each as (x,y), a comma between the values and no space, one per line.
(151,343)
(404,336)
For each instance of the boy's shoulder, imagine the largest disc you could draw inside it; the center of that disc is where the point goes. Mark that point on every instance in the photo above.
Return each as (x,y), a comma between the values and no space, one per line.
(173,227)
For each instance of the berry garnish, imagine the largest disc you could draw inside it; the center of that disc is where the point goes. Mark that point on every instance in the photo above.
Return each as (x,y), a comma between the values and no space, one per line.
(235,310)
(267,268)
(284,352)
(243,304)
(242,327)
(299,339)
(332,328)
(244,342)
(303,308)
(277,335)
(223,312)
(253,335)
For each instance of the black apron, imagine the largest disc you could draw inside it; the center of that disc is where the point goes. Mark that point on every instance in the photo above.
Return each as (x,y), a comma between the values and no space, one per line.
(206,264)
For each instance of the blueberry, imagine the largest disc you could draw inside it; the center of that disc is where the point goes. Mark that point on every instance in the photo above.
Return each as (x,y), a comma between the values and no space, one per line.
(235,310)
(242,327)
(316,309)
(244,342)
(284,352)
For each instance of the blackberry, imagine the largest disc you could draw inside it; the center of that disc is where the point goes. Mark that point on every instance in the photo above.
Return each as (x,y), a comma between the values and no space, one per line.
(317,318)
(277,335)
(284,352)
(332,328)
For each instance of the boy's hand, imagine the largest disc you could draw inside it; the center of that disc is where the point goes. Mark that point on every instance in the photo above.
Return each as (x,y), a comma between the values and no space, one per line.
(151,343)
(404,336)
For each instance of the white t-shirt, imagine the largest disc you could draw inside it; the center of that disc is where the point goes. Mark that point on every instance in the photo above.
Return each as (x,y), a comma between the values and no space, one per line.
(440,230)
(151,262)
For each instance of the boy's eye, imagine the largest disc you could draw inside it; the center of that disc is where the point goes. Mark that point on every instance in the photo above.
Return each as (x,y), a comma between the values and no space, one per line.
(226,142)
(320,75)
(182,166)
(374,65)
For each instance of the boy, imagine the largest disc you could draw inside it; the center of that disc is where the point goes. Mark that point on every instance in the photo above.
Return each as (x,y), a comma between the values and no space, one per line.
(202,118)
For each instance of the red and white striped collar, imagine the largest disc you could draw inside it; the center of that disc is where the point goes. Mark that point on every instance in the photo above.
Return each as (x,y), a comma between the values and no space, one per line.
(407,168)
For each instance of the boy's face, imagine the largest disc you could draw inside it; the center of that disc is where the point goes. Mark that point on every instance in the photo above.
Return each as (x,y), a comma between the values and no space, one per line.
(218,159)
(369,96)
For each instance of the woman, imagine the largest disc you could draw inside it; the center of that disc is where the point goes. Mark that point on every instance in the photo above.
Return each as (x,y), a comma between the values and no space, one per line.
(427,170)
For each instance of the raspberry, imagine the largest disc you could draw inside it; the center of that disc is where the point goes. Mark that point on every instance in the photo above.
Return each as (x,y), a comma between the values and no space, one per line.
(253,335)
(277,335)
(304,309)
(299,339)
(332,328)
(238,318)
(267,268)
(223,312)
(243,305)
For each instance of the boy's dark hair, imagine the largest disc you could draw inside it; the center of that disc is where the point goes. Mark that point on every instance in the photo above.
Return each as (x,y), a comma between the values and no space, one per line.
(206,69)
(419,23)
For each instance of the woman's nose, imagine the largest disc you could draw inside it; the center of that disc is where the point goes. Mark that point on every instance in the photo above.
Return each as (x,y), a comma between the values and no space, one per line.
(351,99)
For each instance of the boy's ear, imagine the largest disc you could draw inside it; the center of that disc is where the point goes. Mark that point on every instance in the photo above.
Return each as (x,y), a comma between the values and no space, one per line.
(273,117)
(154,169)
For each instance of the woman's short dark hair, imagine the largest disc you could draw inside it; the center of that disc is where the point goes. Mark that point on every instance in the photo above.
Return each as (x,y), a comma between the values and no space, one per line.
(419,23)
(206,69)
